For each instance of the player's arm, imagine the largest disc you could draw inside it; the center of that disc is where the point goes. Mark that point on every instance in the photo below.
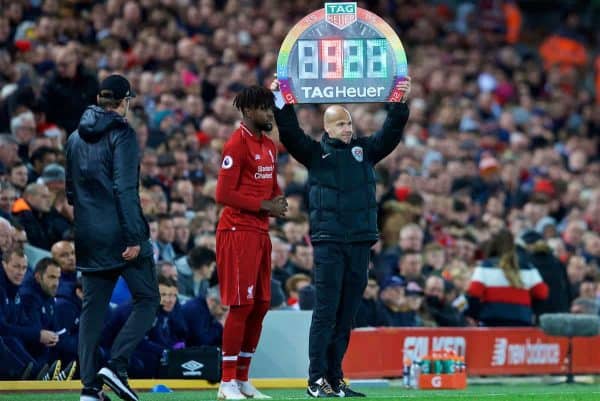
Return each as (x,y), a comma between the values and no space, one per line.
(297,143)
(384,141)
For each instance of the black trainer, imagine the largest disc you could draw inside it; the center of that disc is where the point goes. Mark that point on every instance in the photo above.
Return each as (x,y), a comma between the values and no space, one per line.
(320,389)
(93,394)
(117,381)
(344,388)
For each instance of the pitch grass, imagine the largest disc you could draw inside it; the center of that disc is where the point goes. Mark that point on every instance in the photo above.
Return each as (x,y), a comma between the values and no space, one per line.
(473,393)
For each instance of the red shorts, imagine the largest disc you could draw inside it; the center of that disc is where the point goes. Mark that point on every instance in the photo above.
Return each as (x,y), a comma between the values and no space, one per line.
(244,266)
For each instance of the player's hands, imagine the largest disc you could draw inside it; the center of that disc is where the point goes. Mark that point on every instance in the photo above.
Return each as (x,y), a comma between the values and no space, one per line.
(404,86)
(131,252)
(277,207)
(48,338)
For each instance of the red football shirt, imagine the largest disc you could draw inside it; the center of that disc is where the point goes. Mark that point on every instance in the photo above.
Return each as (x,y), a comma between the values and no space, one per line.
(247,177)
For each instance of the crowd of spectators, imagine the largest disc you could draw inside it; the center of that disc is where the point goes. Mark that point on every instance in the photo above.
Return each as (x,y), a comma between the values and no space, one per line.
(502,142)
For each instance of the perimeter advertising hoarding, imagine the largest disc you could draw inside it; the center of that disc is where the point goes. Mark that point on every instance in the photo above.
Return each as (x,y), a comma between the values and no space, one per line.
(374,353)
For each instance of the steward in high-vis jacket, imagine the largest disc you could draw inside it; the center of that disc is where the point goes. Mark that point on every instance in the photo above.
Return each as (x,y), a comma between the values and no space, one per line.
(343,225)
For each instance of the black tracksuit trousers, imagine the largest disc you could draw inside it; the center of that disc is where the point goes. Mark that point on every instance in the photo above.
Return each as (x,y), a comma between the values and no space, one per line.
(340,278)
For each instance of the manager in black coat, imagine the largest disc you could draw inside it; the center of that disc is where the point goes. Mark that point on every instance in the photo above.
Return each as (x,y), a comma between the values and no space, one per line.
(343,224)
(112,237)
(68,91)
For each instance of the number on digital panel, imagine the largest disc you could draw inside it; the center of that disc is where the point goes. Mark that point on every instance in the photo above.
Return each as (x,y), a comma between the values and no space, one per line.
(308,59)
(376,58)
(353,58)
(331,58)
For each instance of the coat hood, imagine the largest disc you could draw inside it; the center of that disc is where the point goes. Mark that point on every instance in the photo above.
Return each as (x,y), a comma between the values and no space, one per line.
(97,122)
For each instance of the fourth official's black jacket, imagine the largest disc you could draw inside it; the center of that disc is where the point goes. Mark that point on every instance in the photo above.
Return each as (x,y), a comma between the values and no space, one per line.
(342,202)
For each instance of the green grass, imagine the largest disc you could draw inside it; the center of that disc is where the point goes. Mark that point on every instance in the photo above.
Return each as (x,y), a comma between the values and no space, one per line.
(473,393)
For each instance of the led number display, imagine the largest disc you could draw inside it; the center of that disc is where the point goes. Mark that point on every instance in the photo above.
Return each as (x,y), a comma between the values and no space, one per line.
(341,54)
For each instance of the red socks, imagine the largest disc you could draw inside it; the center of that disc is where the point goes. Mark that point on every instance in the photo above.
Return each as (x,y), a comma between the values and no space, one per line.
(240,338)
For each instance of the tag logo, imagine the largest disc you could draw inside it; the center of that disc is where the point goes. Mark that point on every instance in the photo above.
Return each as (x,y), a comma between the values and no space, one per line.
(357,153)
(340,15)
(325,156)
(251,292)
(256,157)
(192,368)
(227,162)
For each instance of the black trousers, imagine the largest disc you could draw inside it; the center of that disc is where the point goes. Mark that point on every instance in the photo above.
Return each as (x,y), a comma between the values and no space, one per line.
(340,279)
(140,276)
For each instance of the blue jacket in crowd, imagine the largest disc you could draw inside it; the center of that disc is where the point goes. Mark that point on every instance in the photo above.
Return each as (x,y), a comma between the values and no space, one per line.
(68,310)
(203,328)
(39,310)
(11,313)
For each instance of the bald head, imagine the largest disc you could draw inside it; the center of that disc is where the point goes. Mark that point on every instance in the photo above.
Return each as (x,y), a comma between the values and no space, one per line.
(338,123)
(6,234)
(63,252)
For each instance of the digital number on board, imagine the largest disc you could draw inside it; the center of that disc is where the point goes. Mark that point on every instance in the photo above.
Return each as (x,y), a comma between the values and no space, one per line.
(341,54)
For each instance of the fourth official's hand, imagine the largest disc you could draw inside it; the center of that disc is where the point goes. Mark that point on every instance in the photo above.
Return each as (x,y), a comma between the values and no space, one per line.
(404,86)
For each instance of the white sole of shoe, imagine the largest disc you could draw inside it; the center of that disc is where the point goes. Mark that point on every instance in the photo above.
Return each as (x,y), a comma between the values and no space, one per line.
(113,381)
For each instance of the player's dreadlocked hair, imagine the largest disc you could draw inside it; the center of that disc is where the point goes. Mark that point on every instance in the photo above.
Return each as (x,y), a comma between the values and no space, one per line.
(254,97)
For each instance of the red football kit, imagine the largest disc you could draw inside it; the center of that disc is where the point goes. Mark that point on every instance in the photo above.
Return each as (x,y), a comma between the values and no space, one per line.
(248,176)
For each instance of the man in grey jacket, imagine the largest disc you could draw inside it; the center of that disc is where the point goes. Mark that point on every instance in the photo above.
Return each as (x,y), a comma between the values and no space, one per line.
(112,237)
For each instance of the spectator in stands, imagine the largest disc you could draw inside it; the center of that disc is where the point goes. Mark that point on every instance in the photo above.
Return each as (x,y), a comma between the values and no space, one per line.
(280,259)
(503,286)
(591,249)
(293,286)
(166,269)
(14,332)
(39,310)
(167,332)
(393,309)
(69,90)
(23,129)
(204,317)
(31,212)
(411,267)
(68,310)
(201,267)
(7,198)
(532,246)
(438,307)
(576,271)
(63,253)
(366,316)
(434,259)
(183,240)
(302,259)
(9,148)
(40,158)
(166,236)
(411,239)
(18,176)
